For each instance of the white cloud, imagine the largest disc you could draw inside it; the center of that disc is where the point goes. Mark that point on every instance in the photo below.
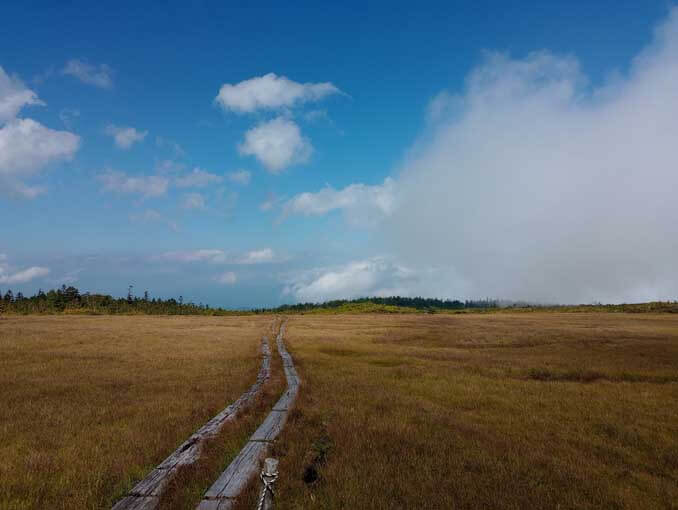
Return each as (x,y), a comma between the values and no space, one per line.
(277,144)
(125,137)
(227,278)
(14,96)
(535,186)
(376,276)
(12,277)
(120,182)
(216,256)
(26,146)
(270,92)
(100,76)
(198,178)
(205,255)
(242,177)
(362,205)
(193,201)
(258,256)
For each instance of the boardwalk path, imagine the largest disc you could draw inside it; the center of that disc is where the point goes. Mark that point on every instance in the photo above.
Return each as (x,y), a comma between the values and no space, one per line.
(231,483)
(146,494)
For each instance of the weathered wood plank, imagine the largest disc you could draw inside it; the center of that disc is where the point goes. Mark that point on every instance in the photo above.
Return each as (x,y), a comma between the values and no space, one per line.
(238,473)
(271,426)
(136,503)
(145,494)
(223,493)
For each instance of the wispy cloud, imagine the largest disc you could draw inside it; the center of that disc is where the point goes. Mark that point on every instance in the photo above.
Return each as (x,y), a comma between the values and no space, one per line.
(258,256)
(204,255)
(10,276)
(227,278)
(153,216)
(120,182)
(198,178)
(241,177)
(193,201)
(99,76)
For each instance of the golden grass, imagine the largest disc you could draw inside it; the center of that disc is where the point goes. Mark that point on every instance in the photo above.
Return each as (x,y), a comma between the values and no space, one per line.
(497,410)
(88,405)
(541,410)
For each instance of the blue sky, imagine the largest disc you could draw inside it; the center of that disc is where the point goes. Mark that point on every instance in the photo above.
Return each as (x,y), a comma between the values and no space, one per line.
(152,145)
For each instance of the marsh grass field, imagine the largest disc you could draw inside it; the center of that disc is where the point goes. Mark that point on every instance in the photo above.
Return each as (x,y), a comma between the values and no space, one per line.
(497,410)
(89,404)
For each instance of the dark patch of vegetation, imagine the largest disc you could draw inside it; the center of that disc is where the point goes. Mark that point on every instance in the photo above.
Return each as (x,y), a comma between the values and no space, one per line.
(418,303)
(70,300)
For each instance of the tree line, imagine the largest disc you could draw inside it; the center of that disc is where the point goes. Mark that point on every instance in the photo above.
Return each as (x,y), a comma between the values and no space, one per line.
(71,300)
(419,303)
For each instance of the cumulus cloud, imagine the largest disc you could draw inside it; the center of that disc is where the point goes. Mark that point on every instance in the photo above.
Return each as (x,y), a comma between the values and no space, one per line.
(99,76)
(198,178)
(26,146)
(193,201)
(14,96)
(120,182)
(227,278)
(8,276)
(125,137)
(277,144)
(362,204)
(241,177)
(536,186)
(270,92)
(377,276)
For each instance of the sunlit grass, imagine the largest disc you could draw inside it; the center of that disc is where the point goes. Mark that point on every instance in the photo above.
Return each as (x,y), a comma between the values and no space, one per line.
(90,404)
(536,410)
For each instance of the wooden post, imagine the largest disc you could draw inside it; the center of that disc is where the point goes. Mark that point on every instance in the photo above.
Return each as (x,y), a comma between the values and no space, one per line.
(269,475)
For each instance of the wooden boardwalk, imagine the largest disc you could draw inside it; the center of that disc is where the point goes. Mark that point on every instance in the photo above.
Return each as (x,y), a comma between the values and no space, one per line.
(146,494)
(236,477)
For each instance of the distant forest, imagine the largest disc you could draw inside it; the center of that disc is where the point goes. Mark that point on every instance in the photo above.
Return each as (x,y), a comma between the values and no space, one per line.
(71,300)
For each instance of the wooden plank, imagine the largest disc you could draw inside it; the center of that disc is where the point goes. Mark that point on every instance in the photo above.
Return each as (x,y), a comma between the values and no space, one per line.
(271,426)
(237,474)
(145,494)
(223,493)
(136,503)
